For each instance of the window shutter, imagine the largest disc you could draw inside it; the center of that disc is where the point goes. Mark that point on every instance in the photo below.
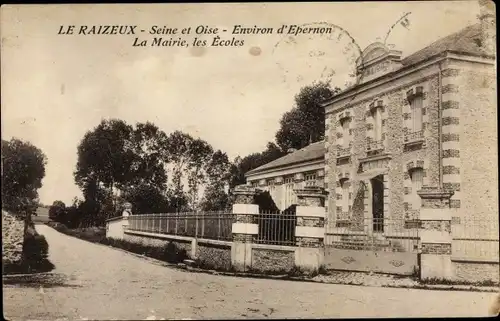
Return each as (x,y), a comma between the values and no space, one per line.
(417,178)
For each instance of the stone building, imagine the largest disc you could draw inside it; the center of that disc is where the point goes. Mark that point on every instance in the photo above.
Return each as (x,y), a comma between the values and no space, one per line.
(426,120)
(305,167)
(413,131)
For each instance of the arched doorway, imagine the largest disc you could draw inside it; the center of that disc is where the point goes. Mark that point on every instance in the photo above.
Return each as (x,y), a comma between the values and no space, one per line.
(377,184)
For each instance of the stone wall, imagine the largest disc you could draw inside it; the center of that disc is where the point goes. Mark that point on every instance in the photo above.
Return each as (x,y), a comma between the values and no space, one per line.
(12,238)
(477,109)
(476,271)
(159,242)
(212,256)
(273,260)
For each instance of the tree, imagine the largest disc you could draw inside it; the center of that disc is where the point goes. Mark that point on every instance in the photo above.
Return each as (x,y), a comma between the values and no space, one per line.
(57,212)
(149,161)
(200,153)
(105,161)
(218,175)
(147,199)
(247,163)
(23,168)
(177,154)
(105,155)
(188,158)
(305,123)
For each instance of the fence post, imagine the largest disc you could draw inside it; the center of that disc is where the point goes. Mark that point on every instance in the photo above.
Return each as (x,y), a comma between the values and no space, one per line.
(435,234)
(310,228)
(244,228)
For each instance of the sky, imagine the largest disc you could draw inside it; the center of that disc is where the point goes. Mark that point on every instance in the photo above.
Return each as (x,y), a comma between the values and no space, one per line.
(57,87)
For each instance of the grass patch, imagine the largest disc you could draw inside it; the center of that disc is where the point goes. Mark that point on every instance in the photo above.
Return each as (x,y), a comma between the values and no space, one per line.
(438,281)
(169,253)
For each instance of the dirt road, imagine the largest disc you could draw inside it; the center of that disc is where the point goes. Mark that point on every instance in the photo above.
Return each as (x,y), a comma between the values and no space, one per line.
(92,281)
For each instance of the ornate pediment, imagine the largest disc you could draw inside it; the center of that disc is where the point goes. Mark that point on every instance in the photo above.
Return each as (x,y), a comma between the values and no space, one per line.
(376,60)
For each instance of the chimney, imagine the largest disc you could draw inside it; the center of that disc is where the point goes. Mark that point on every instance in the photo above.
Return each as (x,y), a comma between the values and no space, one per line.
(488,26)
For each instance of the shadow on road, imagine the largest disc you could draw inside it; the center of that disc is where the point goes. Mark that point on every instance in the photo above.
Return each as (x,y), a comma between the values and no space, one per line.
(46,280)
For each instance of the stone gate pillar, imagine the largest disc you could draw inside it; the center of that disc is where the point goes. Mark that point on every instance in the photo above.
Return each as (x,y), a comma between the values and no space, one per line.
(435,234)
(310,228)
(244,228)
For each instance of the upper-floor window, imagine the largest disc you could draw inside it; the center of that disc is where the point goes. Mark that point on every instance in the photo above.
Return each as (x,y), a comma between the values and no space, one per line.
(377,123)
(416,105)
(346,134)
(417,179)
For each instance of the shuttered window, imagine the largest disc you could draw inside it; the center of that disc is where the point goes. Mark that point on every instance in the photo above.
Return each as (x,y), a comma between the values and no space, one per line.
(346,136)
(417,179)
(377,124)
(416,114)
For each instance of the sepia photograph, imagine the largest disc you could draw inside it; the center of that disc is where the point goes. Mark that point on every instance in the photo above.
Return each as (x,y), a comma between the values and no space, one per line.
(281,160)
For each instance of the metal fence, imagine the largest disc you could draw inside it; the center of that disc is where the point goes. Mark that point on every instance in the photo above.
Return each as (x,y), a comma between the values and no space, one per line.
(475,238)
(276,228)
(373,234)
(208,225)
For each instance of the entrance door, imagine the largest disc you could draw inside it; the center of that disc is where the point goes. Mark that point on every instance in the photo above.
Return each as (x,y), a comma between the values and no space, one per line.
(378,203)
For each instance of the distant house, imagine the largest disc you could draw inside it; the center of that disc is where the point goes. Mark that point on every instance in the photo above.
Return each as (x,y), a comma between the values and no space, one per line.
(280,177)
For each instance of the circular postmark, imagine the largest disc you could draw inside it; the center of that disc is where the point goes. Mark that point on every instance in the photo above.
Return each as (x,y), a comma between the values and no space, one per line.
(318,52)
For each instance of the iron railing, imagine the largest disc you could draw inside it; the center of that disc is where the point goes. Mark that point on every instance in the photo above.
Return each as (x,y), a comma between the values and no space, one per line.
(276,228)
(374,145)
(374,234)
(414,137)
(475,238)
(207,225)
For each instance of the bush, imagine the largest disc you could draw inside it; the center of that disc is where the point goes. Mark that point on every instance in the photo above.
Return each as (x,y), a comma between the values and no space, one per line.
(35,256)
(35,249)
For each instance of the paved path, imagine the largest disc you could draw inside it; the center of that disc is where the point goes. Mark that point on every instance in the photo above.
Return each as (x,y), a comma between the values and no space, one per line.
(92,281)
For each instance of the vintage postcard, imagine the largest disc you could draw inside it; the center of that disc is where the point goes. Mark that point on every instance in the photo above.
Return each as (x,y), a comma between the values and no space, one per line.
(249,160)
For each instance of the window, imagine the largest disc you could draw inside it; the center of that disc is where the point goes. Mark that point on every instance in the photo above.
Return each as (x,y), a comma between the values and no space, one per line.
(416,114)
(346,135)
(417,179)
(345,195)
(310,179)
(377,124)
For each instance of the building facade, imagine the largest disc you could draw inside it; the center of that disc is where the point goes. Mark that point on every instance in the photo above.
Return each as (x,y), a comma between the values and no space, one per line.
(424,121)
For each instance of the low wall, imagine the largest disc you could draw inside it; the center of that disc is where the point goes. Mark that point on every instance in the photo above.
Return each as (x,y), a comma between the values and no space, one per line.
(114,228)
(214,254)
(272,258)
(159,240)
(403,263)
(12,238)
(476,271)
(211,254)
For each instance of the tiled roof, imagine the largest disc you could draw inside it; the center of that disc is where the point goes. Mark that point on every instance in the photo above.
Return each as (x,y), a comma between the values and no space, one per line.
(308,153)
(464,41)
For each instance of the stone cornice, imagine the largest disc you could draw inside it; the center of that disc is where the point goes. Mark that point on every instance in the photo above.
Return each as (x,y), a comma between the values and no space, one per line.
(434,193)
(313,165)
